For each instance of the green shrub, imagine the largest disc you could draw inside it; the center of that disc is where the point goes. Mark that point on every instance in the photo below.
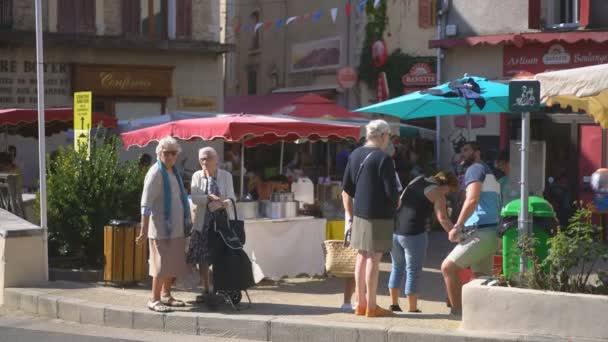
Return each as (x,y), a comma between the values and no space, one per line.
(84,194)
(574,254)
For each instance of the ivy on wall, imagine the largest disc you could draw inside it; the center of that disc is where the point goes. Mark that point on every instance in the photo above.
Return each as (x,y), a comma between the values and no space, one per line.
(398,62)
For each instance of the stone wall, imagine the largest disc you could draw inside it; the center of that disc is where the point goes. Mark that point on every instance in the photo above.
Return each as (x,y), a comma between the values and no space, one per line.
(24,15)
(113,17)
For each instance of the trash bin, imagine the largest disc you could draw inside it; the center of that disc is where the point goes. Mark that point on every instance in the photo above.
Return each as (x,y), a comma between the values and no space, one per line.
(125,261)
(543,223)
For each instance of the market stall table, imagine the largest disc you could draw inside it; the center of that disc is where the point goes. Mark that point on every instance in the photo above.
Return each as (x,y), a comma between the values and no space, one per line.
(286,247)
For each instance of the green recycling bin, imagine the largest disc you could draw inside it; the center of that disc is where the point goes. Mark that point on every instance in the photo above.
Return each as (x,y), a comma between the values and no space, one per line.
(543,223)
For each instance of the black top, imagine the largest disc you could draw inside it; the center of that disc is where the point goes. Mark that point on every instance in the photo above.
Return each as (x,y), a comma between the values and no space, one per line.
(416,208)
(375,192)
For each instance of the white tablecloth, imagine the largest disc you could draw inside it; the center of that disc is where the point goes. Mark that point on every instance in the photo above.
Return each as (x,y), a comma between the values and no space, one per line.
(286,247)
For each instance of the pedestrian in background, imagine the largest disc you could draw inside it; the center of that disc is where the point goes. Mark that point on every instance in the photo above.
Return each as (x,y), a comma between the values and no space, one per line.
(165,219)
(475,229)
(370,198)
(419,200)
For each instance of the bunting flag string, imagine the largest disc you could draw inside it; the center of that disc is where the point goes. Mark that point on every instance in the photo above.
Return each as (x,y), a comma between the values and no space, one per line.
(334,14)
(291,19)
(316,16)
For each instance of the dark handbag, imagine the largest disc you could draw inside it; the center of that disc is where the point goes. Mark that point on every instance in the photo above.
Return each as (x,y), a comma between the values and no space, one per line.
(238,226)
(232,232)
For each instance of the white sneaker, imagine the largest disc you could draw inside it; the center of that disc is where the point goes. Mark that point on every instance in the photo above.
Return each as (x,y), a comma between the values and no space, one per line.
(347,307)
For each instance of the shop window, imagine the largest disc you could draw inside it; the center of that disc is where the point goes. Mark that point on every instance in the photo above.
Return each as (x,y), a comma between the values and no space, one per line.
(150,18)
(6,14)
(153,19)
(76,16)
(558,14)
(252,82)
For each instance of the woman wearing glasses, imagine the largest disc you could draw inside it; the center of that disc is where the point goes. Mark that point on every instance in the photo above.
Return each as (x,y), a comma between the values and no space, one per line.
(211,189)
(165,214)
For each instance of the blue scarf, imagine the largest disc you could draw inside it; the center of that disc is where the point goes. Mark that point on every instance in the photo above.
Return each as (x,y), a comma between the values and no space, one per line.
(167,200)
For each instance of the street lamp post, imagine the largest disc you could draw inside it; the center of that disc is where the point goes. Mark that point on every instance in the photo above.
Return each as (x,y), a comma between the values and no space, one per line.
(41,133)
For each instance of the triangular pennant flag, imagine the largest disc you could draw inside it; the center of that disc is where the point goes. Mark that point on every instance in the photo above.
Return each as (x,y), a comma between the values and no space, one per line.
(237,28)
(362,5)
(317,16)
(305,17)
(334,14)
(247,27)
(268,24)
(257,27)
(290,20)
(376,3)
(280,23)
(347,9)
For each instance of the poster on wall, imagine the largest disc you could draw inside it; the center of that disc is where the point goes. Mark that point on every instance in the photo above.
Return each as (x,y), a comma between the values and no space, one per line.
(316,55)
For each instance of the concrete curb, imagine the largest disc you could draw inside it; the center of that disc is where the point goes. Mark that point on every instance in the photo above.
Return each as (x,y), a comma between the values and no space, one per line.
(249,327)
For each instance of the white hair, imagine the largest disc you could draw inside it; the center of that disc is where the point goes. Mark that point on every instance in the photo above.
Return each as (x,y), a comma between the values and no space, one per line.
(208,150)
(167,143)
(375,129)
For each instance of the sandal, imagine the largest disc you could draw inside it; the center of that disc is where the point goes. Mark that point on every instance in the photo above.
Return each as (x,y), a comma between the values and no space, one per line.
(170,301)
(157,306)
(378,312)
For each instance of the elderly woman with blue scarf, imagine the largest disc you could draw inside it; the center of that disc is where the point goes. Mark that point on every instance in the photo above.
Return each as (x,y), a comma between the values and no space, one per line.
(165,222)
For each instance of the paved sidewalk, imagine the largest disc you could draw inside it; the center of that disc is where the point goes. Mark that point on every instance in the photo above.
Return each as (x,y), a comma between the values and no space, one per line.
(307,298)
(296,309)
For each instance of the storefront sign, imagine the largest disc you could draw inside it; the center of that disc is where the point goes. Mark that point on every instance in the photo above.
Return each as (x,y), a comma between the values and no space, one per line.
(419,75)
(204,103)
(124,80)
(18,87)
(347,77)
(539,58)
(524,96)
(83,104)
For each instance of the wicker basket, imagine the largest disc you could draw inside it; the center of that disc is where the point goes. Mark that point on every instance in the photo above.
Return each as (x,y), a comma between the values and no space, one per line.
(339,260)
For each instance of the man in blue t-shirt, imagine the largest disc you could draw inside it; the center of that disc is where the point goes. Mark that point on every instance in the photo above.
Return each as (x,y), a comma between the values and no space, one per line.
(479,216)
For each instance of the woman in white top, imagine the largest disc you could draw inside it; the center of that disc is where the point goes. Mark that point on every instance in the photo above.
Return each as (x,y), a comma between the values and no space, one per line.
(210,188)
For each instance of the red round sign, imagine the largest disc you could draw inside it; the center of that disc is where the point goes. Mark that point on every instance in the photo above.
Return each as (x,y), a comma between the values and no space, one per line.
(347,77)
(379,53)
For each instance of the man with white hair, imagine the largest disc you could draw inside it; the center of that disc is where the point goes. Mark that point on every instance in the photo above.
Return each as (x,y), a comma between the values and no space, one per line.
(370,198)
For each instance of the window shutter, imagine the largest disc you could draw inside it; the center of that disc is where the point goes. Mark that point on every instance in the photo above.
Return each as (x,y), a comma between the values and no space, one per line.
(425,15)
(584,12)
(534,8)
(66,15)
(131,16)
(184,18)
(86,16)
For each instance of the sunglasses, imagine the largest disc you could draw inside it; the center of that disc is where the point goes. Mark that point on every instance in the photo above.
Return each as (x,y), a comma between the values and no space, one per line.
(170,153)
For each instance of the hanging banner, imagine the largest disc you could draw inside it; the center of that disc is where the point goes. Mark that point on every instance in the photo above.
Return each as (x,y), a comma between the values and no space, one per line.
(379,53)
(83,104)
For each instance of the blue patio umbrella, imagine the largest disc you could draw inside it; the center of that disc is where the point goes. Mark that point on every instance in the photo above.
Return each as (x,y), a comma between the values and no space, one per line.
(469,95)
